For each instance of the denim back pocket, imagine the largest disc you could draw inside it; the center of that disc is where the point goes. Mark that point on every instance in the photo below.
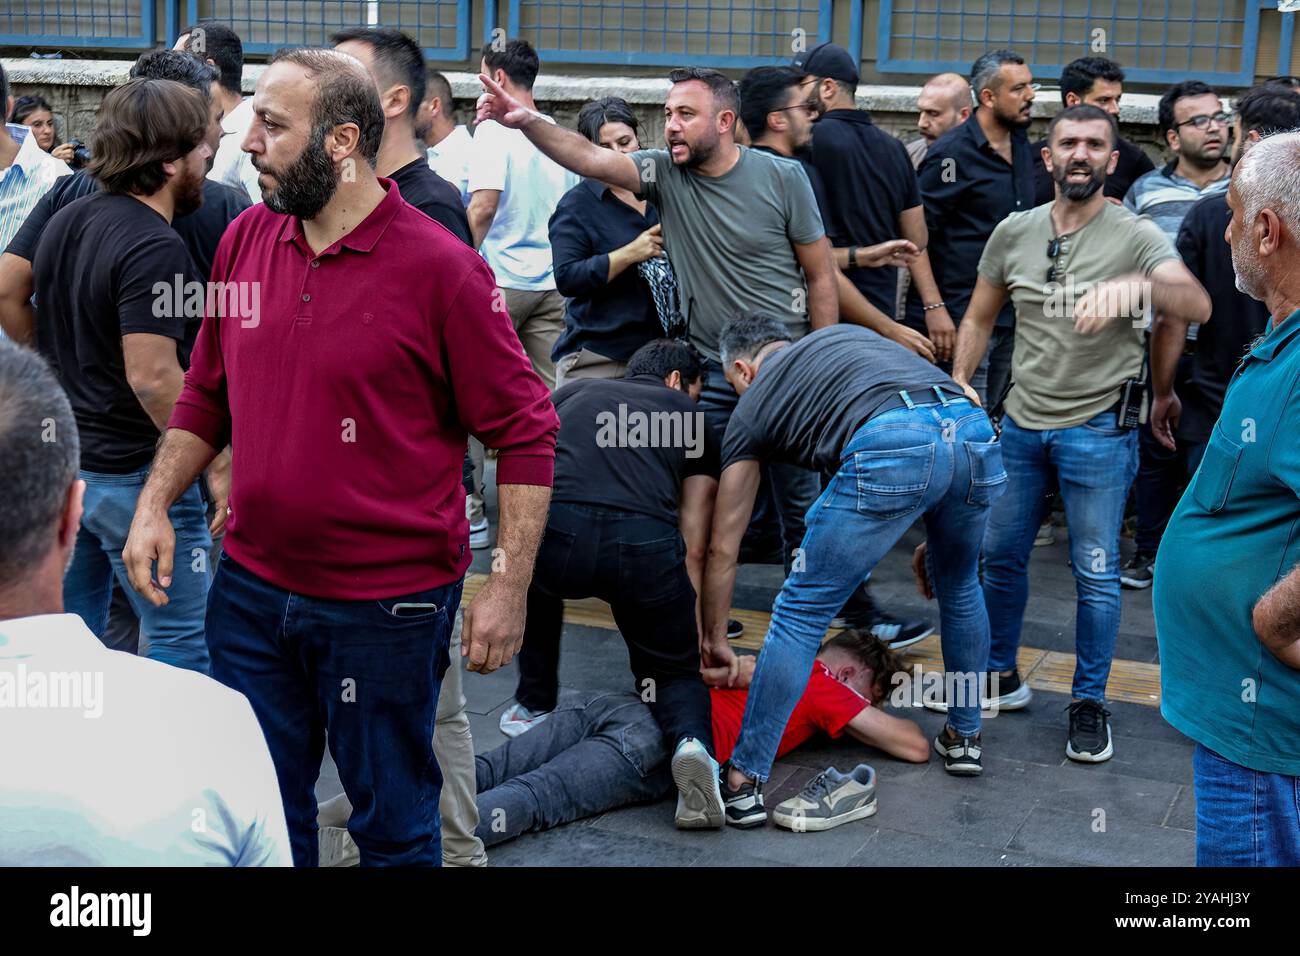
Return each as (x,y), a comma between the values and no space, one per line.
(1213,479)
(892,482)
(988,476)
(653,571)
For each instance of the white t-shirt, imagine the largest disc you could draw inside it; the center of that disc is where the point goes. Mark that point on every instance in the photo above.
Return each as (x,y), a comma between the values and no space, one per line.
(232,165)
(115,760)
(450,160)
(518,245)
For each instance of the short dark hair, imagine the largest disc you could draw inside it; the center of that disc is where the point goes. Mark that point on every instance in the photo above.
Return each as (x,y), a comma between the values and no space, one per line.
(1079,75)
(397,57)
(342,95)
(141,125)
(39,455)
(608,109)
(1083,111)
(984,71)
(871,653)
(1269,108)
(25,106)
(4,87)
(1179,91)
(662,357)
(188,69)
(517,58)
(762,90)
(744,336)
(719,84)
(439,86)
(222,45)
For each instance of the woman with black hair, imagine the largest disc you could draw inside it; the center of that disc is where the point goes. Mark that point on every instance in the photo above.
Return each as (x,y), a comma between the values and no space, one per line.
(36,114)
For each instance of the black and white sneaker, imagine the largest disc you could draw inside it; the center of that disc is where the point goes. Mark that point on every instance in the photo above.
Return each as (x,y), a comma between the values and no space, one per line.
(890,631)
(1140,571)
(961,755)
(744,805)
(1089,740)
(1009,694)
(734,629)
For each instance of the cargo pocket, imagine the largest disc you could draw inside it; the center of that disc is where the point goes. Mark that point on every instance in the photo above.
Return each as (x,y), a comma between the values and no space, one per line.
(988,477)
(1213,479)
(892,482)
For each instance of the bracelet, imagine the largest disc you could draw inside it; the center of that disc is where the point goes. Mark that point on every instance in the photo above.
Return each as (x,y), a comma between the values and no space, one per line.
(931,308)
(853,257)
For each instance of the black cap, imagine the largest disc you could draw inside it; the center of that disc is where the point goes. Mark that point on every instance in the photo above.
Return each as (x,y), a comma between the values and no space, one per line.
(827,59)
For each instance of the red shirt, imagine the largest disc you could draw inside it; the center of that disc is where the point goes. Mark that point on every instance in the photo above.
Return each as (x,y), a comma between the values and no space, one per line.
(826,705)
(347,396)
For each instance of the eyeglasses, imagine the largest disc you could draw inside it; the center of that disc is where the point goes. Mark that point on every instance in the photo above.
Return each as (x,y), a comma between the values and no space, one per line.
(1055,248)
(1223,118)
(806,107)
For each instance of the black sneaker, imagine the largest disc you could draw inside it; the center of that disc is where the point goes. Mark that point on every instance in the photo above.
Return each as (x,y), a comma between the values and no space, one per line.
(961,755)
(890,631)
(744,805)
(1138,574)
(734,629)
(1012,694)
(1089,740)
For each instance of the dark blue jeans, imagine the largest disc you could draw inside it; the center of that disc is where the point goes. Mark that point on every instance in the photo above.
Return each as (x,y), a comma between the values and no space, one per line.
(637,564)
(1244,817)
(363,673)
(591,755)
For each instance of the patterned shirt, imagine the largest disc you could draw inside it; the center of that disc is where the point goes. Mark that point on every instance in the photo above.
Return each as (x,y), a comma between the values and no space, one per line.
(1166,197)
(28,178)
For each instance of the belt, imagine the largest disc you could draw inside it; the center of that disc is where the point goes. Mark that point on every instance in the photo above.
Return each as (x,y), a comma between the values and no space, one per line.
(934,395)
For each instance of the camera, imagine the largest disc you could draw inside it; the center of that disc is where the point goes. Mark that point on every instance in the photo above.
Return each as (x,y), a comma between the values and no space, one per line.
(80,154)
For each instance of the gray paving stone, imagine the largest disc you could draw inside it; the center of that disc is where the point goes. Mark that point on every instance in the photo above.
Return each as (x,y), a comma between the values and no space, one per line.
(896,848)
(1182,815)
(592,846)
(1070,837)
(1072,787)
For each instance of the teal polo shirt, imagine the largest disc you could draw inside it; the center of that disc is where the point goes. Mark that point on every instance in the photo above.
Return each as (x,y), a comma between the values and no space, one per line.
(1235,533)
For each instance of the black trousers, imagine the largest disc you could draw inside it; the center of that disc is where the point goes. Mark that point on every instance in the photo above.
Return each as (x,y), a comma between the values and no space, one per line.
(638,565)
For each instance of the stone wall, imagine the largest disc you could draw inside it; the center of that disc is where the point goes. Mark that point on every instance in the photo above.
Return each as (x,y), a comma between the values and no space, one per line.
(75,88)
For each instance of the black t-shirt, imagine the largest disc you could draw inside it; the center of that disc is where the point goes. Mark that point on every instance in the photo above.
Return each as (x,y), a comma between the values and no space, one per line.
(628,444)
(810,397)
(201,230)
(1237,318)
(434,196)
(869,181)
(1133,162)
(96,270)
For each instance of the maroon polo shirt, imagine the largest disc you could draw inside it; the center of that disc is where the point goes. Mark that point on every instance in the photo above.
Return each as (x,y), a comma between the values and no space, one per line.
(347,394)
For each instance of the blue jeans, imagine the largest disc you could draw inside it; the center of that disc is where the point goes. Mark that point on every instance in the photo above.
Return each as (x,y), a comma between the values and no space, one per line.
(1244,817)
(1093,464)
(353,670)
(175,630)
(588,756)
(937,461)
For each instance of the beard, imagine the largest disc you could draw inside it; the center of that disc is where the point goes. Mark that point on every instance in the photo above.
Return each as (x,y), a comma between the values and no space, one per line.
(189,193)
(305,186)
(698,155)
(1249,275)
(1078,192)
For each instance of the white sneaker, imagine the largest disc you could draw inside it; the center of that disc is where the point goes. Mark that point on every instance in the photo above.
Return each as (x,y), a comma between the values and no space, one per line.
(699,797)
(478,534)
(517,719)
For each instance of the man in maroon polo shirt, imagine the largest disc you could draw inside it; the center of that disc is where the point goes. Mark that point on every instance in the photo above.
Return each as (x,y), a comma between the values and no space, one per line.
(346,393)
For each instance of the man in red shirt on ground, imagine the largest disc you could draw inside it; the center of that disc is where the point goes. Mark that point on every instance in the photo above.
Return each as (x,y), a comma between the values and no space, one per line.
(347,397)
(599,753)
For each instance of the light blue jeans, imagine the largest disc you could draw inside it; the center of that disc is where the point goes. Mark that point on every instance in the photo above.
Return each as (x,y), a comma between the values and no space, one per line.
(1093,464)
(175,630)
(939,461)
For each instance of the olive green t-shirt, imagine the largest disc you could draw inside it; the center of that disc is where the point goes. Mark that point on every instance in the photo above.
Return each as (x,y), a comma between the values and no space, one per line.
(1063,378)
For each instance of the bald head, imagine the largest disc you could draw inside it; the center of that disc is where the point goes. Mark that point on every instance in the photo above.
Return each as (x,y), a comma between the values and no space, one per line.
(945,102)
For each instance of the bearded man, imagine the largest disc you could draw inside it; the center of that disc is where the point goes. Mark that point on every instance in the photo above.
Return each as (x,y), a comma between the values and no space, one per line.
(1071,419)
(347,396)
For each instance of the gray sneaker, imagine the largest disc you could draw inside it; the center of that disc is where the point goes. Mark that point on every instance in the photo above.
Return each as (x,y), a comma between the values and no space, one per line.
(831,798)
